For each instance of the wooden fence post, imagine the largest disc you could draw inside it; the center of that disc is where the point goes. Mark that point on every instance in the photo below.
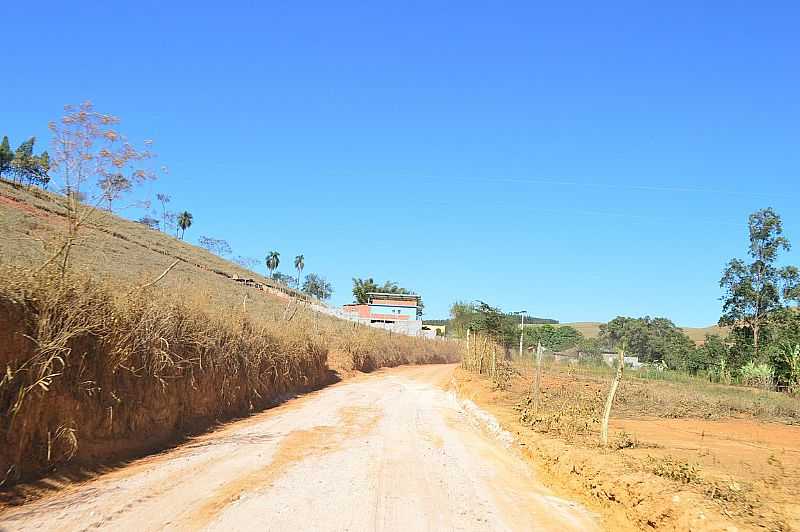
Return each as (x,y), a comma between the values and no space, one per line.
(538,376)
(610,399)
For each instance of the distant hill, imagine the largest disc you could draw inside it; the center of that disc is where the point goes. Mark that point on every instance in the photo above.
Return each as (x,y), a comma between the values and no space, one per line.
(591,329)
(532,320)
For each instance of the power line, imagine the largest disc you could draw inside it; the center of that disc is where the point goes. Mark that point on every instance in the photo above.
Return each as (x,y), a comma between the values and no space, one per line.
(554,182)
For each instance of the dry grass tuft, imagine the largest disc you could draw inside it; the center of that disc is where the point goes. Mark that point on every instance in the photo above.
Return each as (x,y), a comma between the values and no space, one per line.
(677,470)
(484,356)
(562,411)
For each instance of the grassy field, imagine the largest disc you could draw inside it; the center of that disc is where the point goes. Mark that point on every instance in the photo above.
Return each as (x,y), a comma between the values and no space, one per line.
(98,363)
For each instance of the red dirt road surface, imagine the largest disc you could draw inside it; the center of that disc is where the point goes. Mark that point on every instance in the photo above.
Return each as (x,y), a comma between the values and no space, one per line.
(393,450)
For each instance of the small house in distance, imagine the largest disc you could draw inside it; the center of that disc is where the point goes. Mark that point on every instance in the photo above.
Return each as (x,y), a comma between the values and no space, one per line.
(574,355)
(611,359)
(394,312)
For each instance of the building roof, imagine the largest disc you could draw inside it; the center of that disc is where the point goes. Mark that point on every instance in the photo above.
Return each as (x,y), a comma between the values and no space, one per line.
(386,295)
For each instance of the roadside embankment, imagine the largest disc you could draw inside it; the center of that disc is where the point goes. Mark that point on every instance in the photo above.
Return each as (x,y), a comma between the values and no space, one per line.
(658,473)
(93,372)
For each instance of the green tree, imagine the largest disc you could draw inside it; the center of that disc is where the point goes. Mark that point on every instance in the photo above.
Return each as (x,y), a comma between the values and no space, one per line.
(6,157)
(41,170)
(488,320)
(651,339)
(713,357)
(317,286)
(185,221)
(781,338)
(491,321)
(299,264)
(23,159)
(788,370)
(593,347)
(481,317)
(26,166)
(553,337)
(361,289)
(462,314)
(273,261)
(754,290)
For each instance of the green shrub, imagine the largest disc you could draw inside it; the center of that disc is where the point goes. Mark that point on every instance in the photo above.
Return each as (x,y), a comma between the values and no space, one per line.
(759,375)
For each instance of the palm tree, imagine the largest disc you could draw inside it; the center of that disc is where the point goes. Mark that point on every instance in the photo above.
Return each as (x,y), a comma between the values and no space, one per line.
(299,264)
(273,260)
(184,221)
(361,287)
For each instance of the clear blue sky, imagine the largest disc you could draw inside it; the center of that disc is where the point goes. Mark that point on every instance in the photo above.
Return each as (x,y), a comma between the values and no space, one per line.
(579,161)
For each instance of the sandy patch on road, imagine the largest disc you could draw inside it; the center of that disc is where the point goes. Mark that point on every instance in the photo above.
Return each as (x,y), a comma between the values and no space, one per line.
(295,447)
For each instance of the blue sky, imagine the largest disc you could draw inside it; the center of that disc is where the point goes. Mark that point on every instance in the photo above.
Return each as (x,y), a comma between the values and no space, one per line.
(577,160)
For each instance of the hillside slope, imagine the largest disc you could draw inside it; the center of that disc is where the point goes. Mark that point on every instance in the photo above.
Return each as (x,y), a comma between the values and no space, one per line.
(99,363)
(31,223)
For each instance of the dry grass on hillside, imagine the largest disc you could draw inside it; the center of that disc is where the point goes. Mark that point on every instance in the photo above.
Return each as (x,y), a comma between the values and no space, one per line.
(93,371)
(94,368)
(32,222)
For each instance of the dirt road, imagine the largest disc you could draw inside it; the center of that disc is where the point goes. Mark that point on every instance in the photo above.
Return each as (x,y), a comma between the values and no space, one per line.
(389,451)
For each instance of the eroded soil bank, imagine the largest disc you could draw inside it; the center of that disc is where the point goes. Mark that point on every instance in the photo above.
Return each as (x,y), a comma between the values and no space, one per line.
(668,474)
(95,372)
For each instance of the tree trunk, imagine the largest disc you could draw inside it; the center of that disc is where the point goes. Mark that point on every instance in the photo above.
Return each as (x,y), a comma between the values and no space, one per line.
(756,329)
(610,399)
